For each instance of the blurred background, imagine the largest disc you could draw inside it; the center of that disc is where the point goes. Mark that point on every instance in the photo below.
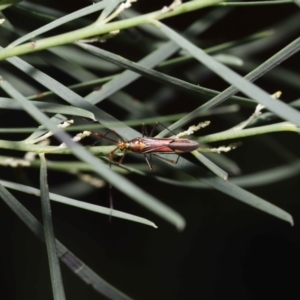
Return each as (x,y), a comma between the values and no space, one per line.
(228,250)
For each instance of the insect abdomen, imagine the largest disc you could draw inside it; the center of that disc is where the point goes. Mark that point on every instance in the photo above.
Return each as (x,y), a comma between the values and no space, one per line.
(183,145)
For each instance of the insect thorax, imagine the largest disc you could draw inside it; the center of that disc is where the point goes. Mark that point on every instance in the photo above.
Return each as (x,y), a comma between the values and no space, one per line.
(136,145)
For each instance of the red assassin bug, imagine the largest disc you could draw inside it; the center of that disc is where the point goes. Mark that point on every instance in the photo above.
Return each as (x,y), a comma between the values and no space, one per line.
(148,145)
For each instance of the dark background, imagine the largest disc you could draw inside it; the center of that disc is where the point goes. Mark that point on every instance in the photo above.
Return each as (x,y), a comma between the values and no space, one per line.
(227,251)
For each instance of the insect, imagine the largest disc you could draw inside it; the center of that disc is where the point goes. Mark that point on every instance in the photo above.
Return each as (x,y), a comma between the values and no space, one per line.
(149,145)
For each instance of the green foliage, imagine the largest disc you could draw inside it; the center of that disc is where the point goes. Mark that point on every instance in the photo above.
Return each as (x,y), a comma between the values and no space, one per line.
(91,84)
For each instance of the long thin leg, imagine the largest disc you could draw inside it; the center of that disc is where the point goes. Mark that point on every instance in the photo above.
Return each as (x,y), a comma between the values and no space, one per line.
(111,154)
(144,130)
(122,158)
(111,204)
(167,128)
(151,160)
(110,186)
(174,162)
(148,163)
(153,129)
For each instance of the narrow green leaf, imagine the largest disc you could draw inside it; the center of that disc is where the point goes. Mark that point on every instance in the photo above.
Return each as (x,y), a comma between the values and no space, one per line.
(123,185)
(7,103)
(55,273)
(278,107)
(232,190)
(272,62)
(76,265)
(109,8)
(77,14)
(248,198)
(6,3)
(210,165)
(79,204)
(138,68)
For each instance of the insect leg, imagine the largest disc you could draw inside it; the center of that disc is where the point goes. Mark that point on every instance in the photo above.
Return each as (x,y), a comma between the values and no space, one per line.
(168,129)
(111,154)
(144,130)
(174,162)
(148,163)
(153,129)
(122,158)
(111,204)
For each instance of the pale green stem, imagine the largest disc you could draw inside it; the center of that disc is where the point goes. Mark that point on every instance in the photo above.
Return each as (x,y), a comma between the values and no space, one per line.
(95,29)
(22,146)
(104,150)
(237,134)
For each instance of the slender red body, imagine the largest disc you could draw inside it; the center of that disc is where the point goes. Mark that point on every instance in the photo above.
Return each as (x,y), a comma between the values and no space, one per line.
(148,145)
(159,145)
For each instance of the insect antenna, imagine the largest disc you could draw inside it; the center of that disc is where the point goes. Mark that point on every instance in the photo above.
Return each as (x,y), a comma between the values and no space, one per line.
(165,128)
(104,136)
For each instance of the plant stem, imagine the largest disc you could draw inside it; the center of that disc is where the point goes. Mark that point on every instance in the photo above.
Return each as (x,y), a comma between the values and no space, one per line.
(95,29)
(235,134)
